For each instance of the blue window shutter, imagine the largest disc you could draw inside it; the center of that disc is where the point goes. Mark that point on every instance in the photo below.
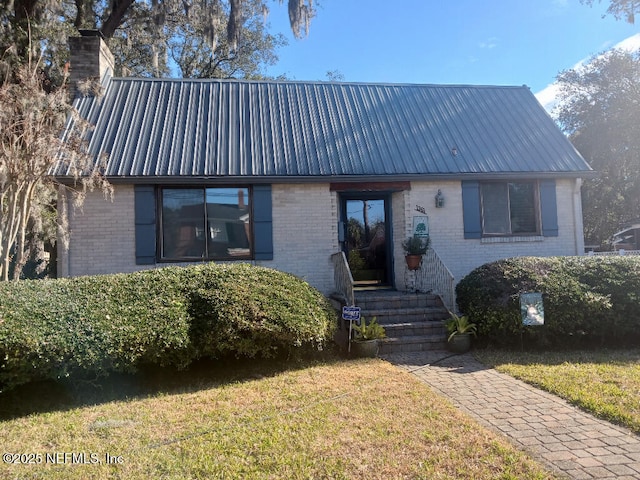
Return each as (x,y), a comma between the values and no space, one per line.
(145,221)
(262,223)
(548,208)
(471,209)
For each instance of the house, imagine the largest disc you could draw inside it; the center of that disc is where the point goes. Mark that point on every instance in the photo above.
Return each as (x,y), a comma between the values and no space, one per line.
(287,174)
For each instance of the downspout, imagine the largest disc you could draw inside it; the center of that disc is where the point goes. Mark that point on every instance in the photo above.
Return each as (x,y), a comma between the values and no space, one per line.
(577,215)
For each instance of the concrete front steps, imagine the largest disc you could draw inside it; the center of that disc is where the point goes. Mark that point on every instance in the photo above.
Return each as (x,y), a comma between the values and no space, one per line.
(413,321)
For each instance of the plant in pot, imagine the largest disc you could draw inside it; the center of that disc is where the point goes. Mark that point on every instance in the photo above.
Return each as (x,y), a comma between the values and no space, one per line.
(414,248)
(460,331)
(365,341)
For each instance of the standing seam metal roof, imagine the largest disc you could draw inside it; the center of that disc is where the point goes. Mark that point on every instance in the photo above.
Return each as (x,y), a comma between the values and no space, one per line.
(217,128)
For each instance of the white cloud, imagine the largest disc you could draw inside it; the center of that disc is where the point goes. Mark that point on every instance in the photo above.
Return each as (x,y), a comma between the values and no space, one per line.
(547,96)
(630,44)
(489,43)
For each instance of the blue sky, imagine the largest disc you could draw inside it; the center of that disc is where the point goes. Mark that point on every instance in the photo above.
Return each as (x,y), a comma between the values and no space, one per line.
(497,42)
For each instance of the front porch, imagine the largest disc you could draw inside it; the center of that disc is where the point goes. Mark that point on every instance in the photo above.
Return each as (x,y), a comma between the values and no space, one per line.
(413,318)
(433,277)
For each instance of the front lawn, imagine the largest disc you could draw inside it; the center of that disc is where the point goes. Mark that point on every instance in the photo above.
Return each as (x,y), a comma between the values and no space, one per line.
(343,420)
(605,383)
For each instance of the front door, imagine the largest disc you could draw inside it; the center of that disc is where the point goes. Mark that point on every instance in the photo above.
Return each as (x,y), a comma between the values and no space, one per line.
(367,242)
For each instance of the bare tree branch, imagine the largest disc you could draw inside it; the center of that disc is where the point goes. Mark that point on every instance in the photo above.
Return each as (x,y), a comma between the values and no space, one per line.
(31,123)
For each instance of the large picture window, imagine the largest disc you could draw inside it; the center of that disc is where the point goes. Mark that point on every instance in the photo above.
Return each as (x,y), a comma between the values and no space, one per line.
(205,223)
(510,208)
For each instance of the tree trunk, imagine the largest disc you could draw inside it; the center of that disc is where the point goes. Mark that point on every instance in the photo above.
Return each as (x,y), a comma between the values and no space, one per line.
(26,10)
(21,241)
(114,20)
(83,18)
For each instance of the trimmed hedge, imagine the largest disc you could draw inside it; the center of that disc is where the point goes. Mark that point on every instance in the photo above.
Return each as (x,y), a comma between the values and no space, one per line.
(587,300)
(168,317)
(244,310)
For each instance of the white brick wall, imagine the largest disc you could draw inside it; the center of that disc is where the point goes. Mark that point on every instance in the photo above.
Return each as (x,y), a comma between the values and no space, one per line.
(305,232)
(305,226)
(400,211)
(463,255)
(102,236)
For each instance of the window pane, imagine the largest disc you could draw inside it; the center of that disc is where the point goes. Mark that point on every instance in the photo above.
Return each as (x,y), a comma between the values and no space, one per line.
(182,223)
(523,212)
(228,222)
(495,208)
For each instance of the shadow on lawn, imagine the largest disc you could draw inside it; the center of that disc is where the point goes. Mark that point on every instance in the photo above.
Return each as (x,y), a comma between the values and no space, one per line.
(77,392)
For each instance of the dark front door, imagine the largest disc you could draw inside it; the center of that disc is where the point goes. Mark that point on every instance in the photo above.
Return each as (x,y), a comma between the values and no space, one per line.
(366,239)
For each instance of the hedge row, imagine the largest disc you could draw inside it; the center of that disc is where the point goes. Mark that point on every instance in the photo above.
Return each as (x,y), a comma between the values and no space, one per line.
(587,300)
(169,317)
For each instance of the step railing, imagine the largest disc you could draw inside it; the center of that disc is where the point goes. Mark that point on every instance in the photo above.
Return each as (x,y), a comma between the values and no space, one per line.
(620,252)
(342,277)
(434,277)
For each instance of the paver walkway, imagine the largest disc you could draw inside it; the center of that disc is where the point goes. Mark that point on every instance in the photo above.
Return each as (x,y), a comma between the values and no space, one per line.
(562,437)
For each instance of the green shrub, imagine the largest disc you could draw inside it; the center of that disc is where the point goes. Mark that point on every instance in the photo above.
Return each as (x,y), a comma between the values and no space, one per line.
(254,311)
(167,317)
(51,328)
(587,300)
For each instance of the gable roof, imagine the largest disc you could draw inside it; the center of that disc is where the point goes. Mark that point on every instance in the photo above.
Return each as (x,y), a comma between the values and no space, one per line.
(230,129)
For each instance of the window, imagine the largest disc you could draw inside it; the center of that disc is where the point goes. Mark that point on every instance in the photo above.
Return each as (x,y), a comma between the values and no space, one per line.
(210,223)
(510,208)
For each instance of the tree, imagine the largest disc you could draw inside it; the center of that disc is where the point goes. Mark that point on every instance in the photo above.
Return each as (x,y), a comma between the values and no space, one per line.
(145,34)
(31,121)
(626,9)
(255,48)
(334,76)
(599,108)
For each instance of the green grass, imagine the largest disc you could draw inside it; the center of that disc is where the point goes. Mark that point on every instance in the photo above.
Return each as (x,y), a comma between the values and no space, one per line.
(335,419)
(605,383)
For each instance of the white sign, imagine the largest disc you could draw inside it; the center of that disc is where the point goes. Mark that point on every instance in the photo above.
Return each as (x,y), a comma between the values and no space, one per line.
(532,309)
(421,226)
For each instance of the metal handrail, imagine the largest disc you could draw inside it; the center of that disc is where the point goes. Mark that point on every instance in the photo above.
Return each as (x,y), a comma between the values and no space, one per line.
(342,277)
(435,277)
(620,252)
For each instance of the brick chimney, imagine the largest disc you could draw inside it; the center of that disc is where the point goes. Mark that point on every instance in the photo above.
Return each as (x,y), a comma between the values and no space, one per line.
(90,59)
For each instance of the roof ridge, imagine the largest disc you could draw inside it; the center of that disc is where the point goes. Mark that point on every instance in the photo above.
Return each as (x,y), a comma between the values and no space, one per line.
(316,82)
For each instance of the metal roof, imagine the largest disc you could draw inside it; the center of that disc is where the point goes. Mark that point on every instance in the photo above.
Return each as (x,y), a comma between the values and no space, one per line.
(180,129)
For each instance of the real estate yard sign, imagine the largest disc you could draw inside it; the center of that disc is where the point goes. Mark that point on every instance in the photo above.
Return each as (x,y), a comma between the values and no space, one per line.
(351,314)
(532,309)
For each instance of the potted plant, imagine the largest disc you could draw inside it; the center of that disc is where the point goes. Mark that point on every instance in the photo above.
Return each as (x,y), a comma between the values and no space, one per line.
(414,248)
(460,331)
(365,341)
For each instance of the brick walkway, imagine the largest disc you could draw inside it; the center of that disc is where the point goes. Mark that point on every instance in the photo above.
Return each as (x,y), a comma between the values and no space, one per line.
(562,437)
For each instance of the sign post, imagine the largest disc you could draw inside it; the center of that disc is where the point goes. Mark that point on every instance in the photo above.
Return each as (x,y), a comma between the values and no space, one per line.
(352,314)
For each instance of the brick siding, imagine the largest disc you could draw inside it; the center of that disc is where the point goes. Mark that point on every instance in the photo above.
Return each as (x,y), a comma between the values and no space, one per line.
(463,255)
(305,230)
